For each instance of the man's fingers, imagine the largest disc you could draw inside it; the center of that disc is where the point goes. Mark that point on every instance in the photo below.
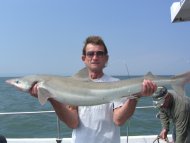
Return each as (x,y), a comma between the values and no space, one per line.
(148,87)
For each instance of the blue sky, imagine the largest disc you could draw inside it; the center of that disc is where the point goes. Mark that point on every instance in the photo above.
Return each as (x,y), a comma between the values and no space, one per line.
(46,36)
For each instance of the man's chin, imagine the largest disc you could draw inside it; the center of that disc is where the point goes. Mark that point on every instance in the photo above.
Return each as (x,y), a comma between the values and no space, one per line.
(95,68)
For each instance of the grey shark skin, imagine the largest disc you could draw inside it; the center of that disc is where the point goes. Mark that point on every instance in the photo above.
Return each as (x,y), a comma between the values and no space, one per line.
(79,90)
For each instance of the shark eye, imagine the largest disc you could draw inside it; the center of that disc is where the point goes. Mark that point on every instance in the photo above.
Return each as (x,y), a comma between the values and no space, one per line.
(17,82)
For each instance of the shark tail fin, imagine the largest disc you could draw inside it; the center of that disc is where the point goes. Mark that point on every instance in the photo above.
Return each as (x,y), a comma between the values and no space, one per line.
(179,86)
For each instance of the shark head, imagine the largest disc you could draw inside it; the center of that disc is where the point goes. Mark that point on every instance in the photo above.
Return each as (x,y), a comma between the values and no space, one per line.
(20,84)
(24,84)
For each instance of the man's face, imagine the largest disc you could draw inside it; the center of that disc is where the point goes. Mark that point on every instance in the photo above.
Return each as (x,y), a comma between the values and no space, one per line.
(95,58)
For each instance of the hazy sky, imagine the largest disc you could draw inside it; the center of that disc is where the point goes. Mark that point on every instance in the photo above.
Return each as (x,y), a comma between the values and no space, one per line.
(46,36)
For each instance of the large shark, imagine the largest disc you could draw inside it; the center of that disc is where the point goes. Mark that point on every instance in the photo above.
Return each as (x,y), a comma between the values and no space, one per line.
(79,90)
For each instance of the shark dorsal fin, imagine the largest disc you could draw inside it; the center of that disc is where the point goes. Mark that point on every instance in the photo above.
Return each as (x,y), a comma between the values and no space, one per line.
(149,75)
(82,75)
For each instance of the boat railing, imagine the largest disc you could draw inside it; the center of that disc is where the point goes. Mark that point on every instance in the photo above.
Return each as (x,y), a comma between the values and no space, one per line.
(59,139)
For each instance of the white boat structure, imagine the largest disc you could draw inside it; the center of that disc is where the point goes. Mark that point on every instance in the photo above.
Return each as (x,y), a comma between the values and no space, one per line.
(180,11)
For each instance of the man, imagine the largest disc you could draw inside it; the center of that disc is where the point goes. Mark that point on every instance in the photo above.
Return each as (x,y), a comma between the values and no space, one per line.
(99,123)
(176,108)
(2,139)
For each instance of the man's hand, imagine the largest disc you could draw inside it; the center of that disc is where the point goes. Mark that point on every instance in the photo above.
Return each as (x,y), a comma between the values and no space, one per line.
(148,88)
(163,134)
(34,90)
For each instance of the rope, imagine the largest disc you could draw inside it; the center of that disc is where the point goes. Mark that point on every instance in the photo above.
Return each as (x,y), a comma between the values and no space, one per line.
(158,138)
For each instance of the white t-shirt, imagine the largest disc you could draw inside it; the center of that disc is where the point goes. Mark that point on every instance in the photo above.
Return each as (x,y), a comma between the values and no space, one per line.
(96,122)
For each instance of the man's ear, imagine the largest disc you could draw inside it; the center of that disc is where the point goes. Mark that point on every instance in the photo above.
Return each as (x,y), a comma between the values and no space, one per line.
(107,58)
(83,58)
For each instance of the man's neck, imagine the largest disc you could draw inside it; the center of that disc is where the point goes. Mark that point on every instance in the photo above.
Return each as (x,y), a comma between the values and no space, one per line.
(95,75)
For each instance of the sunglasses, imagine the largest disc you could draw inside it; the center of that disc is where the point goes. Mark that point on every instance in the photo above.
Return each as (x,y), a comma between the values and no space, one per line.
(91,54)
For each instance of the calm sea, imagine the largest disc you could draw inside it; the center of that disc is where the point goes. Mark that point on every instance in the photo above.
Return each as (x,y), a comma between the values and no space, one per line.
(143,121)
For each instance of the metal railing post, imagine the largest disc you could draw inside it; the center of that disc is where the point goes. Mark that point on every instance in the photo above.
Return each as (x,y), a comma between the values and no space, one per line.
(127,140)
(58,140)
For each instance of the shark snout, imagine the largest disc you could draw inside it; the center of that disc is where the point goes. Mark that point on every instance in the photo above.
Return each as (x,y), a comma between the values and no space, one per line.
(9,81)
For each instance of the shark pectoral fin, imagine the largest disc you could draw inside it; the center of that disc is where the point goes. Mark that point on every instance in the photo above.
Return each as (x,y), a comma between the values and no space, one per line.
(43,95)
